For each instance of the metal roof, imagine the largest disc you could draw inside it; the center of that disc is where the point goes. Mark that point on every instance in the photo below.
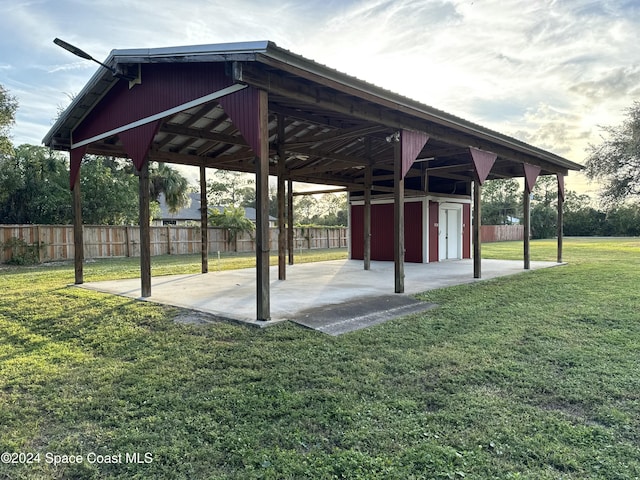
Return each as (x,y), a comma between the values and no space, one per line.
(192,212)
(335,124)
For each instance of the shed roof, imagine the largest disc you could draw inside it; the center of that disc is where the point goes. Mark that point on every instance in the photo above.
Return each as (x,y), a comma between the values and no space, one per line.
(335,124)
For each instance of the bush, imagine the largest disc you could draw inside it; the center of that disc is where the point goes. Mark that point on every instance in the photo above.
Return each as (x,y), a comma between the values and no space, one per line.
(584,222)
(22,253)
(233,219)
(544,221)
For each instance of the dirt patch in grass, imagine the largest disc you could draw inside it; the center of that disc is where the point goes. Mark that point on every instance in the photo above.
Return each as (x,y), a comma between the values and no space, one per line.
(192,317)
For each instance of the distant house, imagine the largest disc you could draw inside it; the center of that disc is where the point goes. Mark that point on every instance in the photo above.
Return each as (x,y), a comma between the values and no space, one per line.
(190,216)
(187,216)
(250,213)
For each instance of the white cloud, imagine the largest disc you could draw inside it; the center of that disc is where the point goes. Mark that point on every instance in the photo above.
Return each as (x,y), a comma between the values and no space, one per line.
(547,71)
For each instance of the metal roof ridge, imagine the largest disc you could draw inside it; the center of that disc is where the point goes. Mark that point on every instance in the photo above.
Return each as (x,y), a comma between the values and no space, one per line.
(194,50)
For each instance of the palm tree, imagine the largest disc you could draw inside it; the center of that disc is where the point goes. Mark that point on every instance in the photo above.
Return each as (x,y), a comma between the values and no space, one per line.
(234,220)
(167,180)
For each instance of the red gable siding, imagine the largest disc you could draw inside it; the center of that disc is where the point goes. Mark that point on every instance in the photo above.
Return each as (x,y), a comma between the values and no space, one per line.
(164,86)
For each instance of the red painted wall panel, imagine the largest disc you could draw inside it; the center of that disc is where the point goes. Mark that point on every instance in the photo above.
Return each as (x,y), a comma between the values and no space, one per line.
(413,232)
(382,232)
(466,230)
(434,213)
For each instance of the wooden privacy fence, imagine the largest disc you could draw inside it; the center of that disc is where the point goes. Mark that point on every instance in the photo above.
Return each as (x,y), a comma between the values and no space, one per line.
(501,233)
(56,241)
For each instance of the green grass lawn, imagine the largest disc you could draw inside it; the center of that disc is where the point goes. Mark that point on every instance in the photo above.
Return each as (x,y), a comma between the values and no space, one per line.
(532,376)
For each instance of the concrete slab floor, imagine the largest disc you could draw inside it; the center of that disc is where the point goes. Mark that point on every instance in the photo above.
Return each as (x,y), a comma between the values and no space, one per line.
(231,294)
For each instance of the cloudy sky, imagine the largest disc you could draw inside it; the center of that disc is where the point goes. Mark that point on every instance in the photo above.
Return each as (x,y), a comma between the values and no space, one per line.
(548,72)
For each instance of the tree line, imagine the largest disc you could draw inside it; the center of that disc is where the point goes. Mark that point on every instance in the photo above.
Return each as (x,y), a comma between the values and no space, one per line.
(502,205)
(615,163)
(34,188)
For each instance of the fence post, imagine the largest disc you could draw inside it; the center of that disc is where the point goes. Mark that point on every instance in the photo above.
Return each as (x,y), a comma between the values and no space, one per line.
(37,242)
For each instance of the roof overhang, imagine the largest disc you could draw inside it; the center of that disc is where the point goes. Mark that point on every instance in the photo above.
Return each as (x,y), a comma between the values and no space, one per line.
(335,124)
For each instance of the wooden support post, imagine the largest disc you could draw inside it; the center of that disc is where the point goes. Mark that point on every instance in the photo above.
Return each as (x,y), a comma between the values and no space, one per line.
(262,210)
(145,230)
(477,222)
(78,240)
(367,217)
(204,220)
(560,224)
(527,226)
(424,178)
(282,228)
(398,226)
(290,246)
(127,248)
(368,182)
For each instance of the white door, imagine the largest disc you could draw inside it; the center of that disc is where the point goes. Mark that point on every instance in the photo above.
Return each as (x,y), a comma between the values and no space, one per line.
(449,233)
(453,235)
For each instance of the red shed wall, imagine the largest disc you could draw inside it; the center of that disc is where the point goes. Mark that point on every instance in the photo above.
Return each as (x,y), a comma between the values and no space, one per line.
(382,232)
(433,230)
(413,236)
(466,230)
(356,222)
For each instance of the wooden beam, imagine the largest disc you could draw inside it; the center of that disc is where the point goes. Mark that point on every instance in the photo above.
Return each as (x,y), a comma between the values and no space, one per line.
(450,176)
(437,153)
(145,230)
(410,174)
(328,154)
(290,245)
(337,134)
(220,162)
(527,226)
(306,116)
(282,231)
(477,222)
(315,192)
(424,178)
(321,166)
(204,220)
(262,210)
(200,113)
(398,217)
(78,238)
(325,180)
(367,218)
(461,167)
(203,134)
